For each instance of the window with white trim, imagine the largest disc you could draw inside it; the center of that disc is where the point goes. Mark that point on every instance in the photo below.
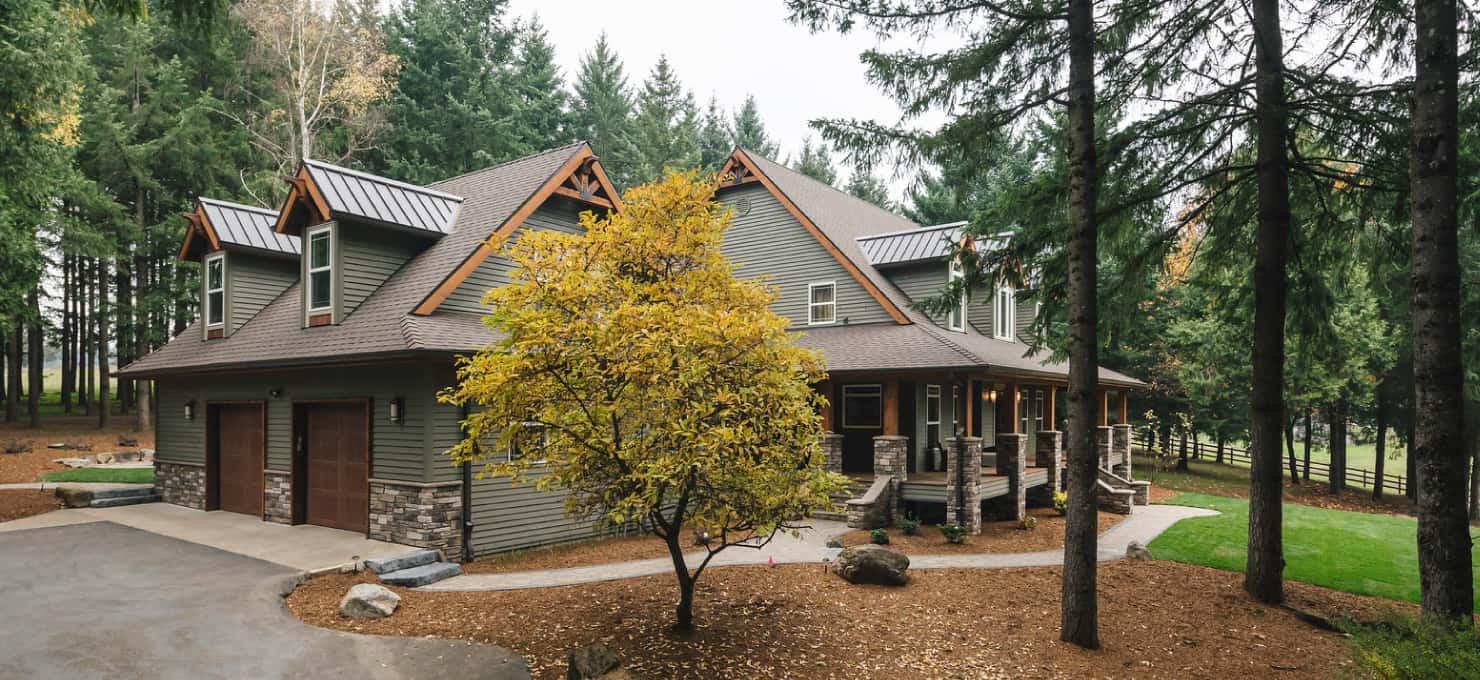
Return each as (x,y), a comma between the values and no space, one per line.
(215,290)
(956,320)
(822,303)
(1004,315)
(321,269)
(863,406)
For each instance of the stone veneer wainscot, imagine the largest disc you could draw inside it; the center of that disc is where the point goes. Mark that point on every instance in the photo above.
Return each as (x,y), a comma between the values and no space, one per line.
(181,483)
(423,515)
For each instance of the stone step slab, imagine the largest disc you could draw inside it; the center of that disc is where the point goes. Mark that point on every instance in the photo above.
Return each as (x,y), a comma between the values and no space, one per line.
(415,558)
(422,575)
(122,493)
(117,501)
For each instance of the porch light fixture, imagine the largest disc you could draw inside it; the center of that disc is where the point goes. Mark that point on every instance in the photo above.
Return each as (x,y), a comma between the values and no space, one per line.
(190,410)
(396,413)
(992,396)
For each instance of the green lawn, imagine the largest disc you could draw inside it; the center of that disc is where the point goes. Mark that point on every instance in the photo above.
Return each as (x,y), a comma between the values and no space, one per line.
(1367,554)
(114,475)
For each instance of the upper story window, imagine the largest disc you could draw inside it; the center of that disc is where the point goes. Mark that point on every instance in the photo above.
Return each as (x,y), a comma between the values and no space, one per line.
(956,320)
(1004,315)
(822,303)
(321,269)
(215,289)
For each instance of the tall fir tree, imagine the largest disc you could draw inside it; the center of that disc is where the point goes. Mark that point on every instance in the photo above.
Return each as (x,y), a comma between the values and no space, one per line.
(714,138)
(542,100)
(750,131)
(866,186)
(815,161)
(601,109)
(455,108)
(665,130)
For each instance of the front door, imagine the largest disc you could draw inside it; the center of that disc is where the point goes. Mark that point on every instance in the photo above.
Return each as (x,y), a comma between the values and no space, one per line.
(337,466)
(236,470)
(863,419)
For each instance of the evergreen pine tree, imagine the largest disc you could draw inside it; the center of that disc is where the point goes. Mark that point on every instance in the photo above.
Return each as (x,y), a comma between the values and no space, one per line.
(864,185)
(665,131)
(750,131)
(714,138)
(815,161)
(601,109)
(540,89)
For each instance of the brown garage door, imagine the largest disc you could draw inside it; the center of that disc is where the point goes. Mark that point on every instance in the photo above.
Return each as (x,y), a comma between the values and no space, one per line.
(338,471)
(239,441)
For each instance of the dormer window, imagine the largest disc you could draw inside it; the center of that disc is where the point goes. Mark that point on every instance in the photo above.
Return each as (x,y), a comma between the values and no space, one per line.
(215,290)
(1004,321)
(956,320)
(321,270)
(822,303)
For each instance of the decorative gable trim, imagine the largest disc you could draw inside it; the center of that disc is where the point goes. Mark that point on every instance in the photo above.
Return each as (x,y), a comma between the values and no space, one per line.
(581,174)
(303,200)
(199,227)
(740,170)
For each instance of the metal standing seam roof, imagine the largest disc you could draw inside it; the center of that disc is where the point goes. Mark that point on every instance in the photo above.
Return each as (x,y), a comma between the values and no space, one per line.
(246,226)
(914,245)
(361,194)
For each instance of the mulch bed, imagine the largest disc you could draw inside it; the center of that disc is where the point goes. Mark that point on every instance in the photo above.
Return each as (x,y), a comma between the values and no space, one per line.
(996,537)
(584,554)
(1157,620)
(27,467)
(18,503)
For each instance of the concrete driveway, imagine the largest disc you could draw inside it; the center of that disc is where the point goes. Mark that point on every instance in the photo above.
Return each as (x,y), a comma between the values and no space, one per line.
(102,600)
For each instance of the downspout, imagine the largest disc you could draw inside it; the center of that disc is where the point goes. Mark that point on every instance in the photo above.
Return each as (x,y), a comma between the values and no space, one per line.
(467,496)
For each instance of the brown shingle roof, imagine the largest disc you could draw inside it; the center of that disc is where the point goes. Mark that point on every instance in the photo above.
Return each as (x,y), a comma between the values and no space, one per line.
(382,324)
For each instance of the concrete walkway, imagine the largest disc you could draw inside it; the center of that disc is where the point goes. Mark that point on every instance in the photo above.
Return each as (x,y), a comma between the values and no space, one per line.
(303,547)
(1146,523)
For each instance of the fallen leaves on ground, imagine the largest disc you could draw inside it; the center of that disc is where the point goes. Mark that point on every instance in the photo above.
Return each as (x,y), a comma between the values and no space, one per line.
(996,537)
(18,503)
(1157,620)
(27,467)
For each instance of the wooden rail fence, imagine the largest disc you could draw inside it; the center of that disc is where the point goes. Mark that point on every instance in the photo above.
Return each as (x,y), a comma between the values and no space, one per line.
(1317,470)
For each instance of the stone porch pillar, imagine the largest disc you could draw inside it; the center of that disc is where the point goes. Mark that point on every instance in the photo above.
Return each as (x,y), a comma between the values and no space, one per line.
(1012,462)
(1120,445)
(890,458)
(963,482)
(1102,445)
(1050,456)
(832,452)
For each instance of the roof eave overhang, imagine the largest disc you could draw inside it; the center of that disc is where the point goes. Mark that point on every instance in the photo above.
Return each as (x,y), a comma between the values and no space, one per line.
(266,364)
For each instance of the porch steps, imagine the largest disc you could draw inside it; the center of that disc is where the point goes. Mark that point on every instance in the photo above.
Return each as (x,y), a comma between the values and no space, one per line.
(416,568)
(112,498)
(838,512)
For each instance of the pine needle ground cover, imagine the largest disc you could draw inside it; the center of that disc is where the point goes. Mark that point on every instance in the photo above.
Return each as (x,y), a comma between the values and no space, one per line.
(1355,552)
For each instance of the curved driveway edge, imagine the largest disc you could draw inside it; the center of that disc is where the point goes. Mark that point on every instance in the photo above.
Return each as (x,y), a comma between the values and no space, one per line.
(104,600)
(1146,523)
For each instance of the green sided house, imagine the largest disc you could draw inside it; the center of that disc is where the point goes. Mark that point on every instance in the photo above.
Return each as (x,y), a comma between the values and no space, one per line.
(937,416)
(306,392)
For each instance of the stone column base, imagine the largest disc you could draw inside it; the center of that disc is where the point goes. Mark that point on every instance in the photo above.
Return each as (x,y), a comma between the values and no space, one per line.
(1120,445)
(1012,462)
(832,452)
(891,459)
(1102,446)
(277,496)
(423,515)
(1050,457)
(963,483)
(181,483)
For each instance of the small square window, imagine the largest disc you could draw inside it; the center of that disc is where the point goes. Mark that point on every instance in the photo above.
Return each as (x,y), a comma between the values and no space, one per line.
(822,303)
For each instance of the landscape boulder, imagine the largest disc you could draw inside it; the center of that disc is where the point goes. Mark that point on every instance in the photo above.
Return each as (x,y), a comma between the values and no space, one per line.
(1136,551)
(872,564)
(591,662)
(369,601)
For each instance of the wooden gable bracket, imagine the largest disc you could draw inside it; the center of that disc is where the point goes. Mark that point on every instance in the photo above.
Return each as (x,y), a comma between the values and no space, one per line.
(198,225)
(585,186)
(736,172)
(302,195)
(594,181)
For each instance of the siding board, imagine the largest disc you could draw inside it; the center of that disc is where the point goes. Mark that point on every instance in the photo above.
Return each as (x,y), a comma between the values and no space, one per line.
(557,214)
(253,282)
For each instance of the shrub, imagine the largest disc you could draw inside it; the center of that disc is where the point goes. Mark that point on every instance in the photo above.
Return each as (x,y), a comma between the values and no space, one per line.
(1410,650)
(1061,501)
(1028,523)
(954,533)
(909,525)
(879,536)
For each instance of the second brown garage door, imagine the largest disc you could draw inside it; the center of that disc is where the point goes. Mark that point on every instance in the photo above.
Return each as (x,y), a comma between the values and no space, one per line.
(338,466)
(238,469)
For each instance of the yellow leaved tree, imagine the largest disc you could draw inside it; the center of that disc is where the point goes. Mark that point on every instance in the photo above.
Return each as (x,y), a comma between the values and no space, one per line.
(652,385)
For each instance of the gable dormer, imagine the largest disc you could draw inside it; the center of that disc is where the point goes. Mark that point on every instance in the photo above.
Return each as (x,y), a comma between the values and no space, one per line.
(357,230)
(244,263)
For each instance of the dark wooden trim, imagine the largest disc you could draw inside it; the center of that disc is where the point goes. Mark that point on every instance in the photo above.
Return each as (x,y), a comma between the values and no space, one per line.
(576,196)
(1104,407)
(325,319)
(215,333)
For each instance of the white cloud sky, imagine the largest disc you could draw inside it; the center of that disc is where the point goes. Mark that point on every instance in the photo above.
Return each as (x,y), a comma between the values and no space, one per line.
(729,50)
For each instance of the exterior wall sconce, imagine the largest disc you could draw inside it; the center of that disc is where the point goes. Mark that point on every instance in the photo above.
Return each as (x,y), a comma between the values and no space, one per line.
(992,396)
(275,393)
(190,410)
(397,412)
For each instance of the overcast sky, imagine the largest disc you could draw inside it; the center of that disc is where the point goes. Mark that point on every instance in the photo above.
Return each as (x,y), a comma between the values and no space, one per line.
(729,50)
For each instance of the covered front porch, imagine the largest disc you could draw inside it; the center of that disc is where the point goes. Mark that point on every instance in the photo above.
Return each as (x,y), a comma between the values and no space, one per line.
(950,447)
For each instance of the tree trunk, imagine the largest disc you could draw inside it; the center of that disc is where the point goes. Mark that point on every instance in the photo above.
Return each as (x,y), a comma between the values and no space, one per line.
(1444,557)
(1472,440)
(1079,608)
(142,407)
(36,357)
(1220,449)
(1381,445)
(1182,452)
(123,325)
(89,305)
(13,348)
(1264,573)
(1290,450)
(1308,426)
(182,311)
(1410,462)
(104,408)
(66,338)
(1336,448)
